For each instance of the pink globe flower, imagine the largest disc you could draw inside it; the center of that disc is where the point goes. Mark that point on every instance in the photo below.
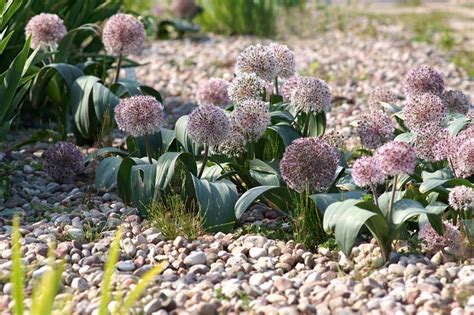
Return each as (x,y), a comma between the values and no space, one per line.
(260,60)
(375,129)
(424,79)
(245,86)
(378,95)
(309,163)
(366,172)
(461,198)
(426,139)
(457,101)
(289,86)
(285,59)
(123,34)
(396,158)
(424,109)
(45,29)
(139,115)
(209,125)
(63,161)
(213,92)
(251,118)
(451,238)
(311,95)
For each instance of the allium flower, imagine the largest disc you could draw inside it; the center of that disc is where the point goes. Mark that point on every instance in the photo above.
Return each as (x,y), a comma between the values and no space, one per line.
(447,148)
(457,101)
(45,29)
(123,34)
(366,172)
(461,198)
(380,94)
(289,86)
(451,238)
(463,161)
(311,94)
(424,79)
(245,86)
(309,163)
(260,60)
(184,9)
(424,109)
(285,60)
(63,161)
(234,144)
(426,139)
(251,118)
(208,124)
(375,129)
(213,92)
(396,158)
(139,115)
(333,138)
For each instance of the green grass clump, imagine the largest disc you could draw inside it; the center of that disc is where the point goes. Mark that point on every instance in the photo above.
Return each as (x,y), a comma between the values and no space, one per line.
(174,218)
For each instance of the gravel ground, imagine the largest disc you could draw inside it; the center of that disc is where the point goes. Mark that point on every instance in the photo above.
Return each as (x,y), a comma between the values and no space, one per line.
(224,273)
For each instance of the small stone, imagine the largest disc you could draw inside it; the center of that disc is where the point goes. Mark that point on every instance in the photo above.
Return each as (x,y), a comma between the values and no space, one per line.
(152,306)
(257,252)
(179,242)
(195,258)
(79,284)
(207,309)
(396,270)
(76,234)
(282,284)
(125,266)
(274,251)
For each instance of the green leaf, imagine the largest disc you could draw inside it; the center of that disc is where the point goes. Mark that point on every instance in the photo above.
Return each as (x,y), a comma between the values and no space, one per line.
(66,44)
(106,173)
(106,151)
(405,209)
(285,132)
(124,182)
(404,137)
(166,166)
(183,138)
(439,179)
(384,200)
(4,42)
(265,174)
(80,103)
(276,194)
(17,275)
(323,201)
(334,210)
(216,203)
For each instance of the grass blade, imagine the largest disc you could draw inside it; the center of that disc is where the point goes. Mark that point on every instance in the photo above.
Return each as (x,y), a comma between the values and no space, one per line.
(17,271)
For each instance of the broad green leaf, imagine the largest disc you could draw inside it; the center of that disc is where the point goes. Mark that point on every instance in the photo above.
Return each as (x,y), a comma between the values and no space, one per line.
(324,200)
(106,151)
(333,212)
(384,200)
(441,179)
(80,103)
(124,179)
(166,166)
(404,137)
(4,41)
(276,194)
(106,173)
(216,203)
(265,174)
(405,209)
(285,132)
(183,138)
(17,274)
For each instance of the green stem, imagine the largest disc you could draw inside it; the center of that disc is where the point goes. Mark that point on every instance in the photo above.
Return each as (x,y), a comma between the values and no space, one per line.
(374,193)
(118,67)
(204,160)
(452,167)
(392,197)
(276,85)
(148,148)
(306,125)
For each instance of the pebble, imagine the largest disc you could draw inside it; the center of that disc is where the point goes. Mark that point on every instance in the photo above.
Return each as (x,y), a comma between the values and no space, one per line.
(195,258)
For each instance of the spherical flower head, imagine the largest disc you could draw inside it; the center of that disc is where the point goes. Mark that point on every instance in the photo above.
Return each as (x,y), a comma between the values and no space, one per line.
(235,143)
(289,86)
(378,95)
(213,92)
(252,119)
(457,101)
(424,79)
(366,172)
(311,95)
(184,9)
(375,129)
(45,29)
(451,238)
(448,147)
(123,34)
(260,60)
(426,139)
(285,59)
(396,158)
(424,109)
(63,161)
(209,125)
(461,198)
(463,161)
(309,163)
(334,138)
(139,115)
(245,86)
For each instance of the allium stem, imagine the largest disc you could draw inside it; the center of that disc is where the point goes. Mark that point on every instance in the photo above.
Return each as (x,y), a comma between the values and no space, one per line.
(118,68)
(392,197)
(374,193)
(452,167)
(306,125)
(148,148)
(204,160)
(276,85)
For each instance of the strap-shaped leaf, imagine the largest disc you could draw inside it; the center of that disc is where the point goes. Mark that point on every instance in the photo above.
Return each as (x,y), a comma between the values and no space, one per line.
(323,201)
(166,166)
(334,211)
(183,138)
(280,196)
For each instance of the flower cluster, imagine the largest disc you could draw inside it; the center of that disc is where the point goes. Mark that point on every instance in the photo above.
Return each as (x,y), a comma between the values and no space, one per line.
(311,94)
(451,238)
(461,198)
(251,118)
(309,163)
(289,86)
(139,115)
(45,29)
(234,144)
(333,138)
(424,109)
(260,60)
(63,161)
(374,129)
(457,101)
(424,79)
(184,9)
(366,172)
(396,158)
(285,59)
(213,92)
(464,160)
(245,86)
(380,94)
(209,125)
(426,139)
(123,34)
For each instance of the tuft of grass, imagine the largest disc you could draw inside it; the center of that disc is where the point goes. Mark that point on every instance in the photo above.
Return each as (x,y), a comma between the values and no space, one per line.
(173,218)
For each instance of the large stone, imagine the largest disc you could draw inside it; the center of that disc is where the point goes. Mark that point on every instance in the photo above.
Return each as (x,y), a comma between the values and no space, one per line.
(195,258)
